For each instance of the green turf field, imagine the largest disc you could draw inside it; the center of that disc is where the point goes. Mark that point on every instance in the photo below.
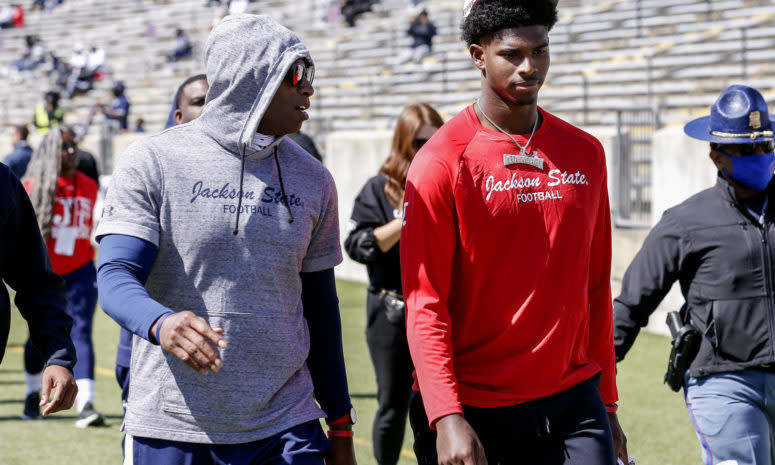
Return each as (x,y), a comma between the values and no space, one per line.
(653,417)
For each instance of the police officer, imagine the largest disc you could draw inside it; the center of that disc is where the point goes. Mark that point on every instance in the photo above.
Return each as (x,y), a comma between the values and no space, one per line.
(718,245)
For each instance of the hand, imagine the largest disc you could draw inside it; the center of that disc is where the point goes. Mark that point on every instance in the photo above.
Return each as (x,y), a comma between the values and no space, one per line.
(457,443)
(61,379)
(185,335)
(342,452)
(620,440)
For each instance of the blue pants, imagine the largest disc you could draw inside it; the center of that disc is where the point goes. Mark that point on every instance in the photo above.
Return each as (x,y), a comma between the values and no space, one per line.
(305,444)
(81,287)
(123,359)
(734,415)
(568,428)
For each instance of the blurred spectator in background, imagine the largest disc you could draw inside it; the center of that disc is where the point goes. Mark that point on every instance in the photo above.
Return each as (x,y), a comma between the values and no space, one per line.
(422,31)
(11,16)
(33,54)
(87,164)
(18,159)
(58,71)
(79,56)
(47,5)
(85,68)
(351,9)
(139,125)
(48,114)
(63,199)
(183,48)
(95,60)
(118,110)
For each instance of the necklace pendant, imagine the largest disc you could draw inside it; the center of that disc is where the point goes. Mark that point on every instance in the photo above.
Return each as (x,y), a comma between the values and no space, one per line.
(532,160)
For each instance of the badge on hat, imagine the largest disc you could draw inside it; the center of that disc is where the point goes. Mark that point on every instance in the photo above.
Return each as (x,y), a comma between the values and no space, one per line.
(755,119)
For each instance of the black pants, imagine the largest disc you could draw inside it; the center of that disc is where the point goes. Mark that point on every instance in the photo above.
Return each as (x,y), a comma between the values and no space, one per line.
(393,366)
(570,427)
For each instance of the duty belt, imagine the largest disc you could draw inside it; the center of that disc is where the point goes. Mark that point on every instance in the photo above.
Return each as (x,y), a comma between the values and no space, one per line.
(767,367)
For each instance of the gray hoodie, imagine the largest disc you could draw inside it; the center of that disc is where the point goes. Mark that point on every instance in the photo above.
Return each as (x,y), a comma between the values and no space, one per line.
(180,190)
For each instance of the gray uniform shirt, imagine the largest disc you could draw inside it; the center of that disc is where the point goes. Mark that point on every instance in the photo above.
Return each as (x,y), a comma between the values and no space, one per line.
(180,190)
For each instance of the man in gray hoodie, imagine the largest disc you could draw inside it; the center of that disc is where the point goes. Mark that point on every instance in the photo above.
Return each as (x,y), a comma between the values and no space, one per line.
(218,237)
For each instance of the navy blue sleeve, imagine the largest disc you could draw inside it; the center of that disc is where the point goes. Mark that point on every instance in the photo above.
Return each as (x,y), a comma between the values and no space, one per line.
(326,356)
(123,268)
(25,267)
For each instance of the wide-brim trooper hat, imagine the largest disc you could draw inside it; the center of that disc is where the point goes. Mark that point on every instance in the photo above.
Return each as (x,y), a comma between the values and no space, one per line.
(739,116)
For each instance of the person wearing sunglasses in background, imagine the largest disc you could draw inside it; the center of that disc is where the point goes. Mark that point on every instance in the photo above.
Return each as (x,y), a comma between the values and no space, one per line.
(374,231)
(63,199)
(217,238)
(719,245)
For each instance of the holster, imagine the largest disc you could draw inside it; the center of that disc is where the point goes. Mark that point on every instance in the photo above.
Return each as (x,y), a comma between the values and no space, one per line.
(393,306)
(686,342)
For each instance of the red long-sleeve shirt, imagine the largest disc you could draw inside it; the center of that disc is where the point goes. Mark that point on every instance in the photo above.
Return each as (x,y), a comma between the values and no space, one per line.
(506,269)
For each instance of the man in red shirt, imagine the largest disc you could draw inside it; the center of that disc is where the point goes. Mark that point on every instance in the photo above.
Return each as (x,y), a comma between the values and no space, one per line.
(506,257)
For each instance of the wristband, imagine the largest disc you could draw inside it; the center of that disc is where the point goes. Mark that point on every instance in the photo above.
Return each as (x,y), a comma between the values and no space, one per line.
(350,418)
(158,326)
(343,419)
(339,433)
(611,408)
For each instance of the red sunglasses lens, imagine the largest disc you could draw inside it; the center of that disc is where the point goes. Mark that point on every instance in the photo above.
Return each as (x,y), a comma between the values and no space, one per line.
(298,74)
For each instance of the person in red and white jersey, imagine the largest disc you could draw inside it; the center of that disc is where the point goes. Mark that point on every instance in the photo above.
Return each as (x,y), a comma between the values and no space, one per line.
(63,199)
(505,261)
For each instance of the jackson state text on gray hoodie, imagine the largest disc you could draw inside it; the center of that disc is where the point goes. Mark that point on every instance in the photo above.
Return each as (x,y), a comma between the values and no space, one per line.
(180,190)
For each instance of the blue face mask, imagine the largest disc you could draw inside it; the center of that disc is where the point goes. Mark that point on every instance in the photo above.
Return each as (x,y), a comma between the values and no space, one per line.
(753,171)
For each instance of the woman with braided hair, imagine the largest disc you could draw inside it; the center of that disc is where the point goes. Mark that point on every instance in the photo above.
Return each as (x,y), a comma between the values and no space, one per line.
(63,199)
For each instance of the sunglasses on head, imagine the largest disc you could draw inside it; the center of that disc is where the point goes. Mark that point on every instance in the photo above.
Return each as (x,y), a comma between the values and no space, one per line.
(748,149)
(69,148)
(298,71)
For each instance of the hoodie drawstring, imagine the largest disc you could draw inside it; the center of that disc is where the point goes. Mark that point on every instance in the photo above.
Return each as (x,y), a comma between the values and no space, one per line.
(282,187)
(239,201)
(282,191)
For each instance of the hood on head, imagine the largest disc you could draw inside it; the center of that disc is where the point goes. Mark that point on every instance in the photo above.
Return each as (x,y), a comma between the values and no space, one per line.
(246,58)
